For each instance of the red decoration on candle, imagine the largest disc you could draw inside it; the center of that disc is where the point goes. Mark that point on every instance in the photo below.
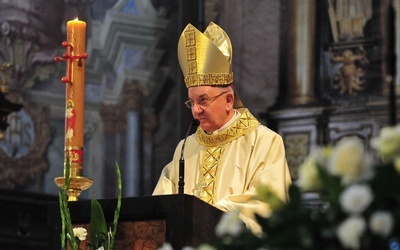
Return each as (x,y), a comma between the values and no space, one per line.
(70,57)
(75,156)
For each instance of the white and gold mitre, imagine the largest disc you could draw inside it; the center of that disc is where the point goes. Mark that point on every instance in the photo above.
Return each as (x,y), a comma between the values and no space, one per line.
(205,58)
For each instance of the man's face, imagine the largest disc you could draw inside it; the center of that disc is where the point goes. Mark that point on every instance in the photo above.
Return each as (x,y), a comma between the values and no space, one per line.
(217,108)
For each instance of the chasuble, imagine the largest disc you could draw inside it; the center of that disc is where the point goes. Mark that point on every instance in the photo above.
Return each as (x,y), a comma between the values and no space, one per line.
(224,168)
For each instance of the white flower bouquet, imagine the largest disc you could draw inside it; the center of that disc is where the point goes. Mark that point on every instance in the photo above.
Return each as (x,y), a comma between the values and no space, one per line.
(358,205)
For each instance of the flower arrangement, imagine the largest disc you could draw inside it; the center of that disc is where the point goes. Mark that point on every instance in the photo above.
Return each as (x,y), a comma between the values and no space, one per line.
(358,205)
(100,237)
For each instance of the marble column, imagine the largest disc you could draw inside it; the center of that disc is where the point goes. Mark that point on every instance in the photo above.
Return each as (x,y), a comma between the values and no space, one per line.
(132,172)
(133,97)
(300,51)
(114,127)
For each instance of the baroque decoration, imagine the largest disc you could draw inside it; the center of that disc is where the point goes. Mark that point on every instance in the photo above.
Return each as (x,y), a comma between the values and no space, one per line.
(27,41)
(24,146)
(349,77)
(348,50)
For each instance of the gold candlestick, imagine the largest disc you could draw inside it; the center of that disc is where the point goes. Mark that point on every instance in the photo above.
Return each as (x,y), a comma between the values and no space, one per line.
(76,186)
(74,115)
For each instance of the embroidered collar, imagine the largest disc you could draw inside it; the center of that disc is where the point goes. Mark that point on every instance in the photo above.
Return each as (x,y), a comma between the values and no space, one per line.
(239,127)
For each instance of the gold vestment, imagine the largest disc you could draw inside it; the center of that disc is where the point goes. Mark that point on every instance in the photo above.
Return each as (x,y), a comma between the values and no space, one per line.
(224,169)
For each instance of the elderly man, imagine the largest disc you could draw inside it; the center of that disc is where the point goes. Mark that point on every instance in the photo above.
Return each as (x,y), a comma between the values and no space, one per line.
(231,153)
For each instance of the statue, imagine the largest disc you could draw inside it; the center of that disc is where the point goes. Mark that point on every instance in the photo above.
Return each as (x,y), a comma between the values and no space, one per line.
(350,77)
(348,18)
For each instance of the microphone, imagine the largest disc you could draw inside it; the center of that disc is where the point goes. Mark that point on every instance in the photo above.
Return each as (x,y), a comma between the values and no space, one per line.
(181,182)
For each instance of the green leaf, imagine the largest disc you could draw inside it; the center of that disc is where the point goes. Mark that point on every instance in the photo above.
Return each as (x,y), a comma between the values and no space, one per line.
(332,187)
(117,210)
(98,226)
(63,234)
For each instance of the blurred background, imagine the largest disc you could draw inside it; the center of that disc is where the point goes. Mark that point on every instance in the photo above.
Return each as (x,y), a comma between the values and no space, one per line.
(313,71)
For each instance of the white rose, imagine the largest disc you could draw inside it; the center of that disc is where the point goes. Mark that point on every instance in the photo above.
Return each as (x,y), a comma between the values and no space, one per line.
(230,224)
(349,161)
(356,198)
(80,232)
(350,231)
(381,223)
(100,248)
(388,142)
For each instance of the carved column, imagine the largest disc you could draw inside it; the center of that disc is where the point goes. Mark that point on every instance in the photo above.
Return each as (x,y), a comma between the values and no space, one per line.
(123,139)
(133,154)
(150,124)
(301,46)
(114,125)
(133,96)
(302,126)
(141,126)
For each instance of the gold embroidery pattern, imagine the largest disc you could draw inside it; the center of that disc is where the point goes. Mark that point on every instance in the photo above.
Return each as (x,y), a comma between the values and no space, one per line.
(208,171)
(241,126)
(212,79)
(205,58)
(215,144)
(190,36)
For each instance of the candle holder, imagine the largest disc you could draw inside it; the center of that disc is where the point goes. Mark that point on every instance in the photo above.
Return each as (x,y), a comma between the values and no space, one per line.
(78,183)
(76,186)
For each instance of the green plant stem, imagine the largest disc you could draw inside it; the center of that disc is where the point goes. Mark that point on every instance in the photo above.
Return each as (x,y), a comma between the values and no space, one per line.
(65,214)
(117,210)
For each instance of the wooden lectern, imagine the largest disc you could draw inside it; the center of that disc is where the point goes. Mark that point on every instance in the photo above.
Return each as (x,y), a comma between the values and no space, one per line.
(146,222)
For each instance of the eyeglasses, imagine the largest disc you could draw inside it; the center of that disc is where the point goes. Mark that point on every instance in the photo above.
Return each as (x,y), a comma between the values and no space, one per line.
(203,102)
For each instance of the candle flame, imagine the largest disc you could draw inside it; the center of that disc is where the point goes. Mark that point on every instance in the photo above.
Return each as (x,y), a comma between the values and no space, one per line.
(76,19)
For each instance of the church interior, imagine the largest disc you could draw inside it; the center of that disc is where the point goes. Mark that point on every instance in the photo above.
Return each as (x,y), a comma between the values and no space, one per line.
(307,69)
